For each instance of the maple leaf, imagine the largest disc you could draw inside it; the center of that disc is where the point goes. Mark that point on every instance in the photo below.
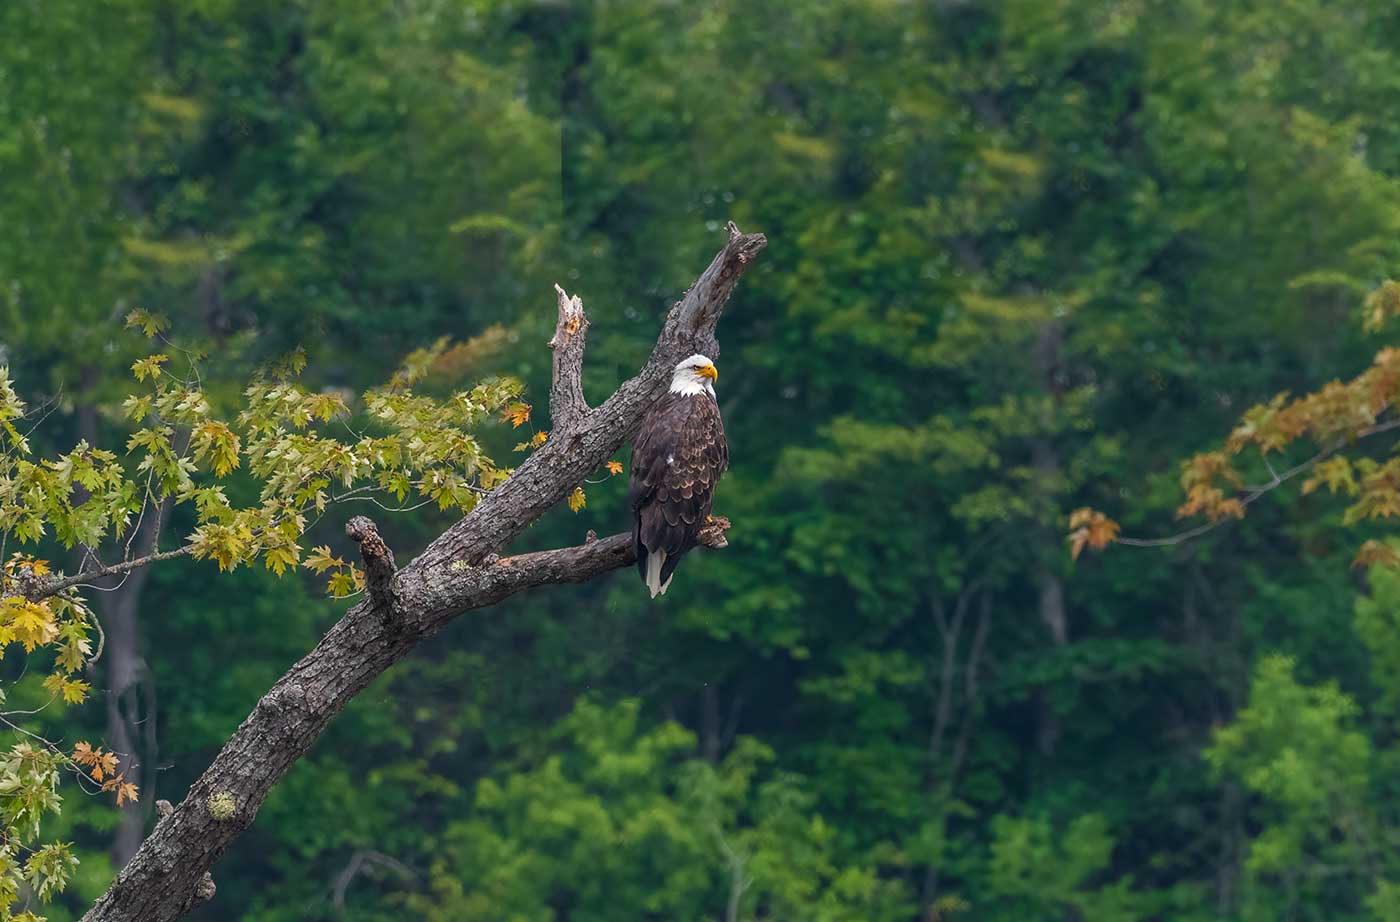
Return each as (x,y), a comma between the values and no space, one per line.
(327,407)
(1206,467)
(106,763)
(149,367)
(577,500)
(72,654)
(75,691)
(83,753)
(278,559)
(397,483)
(216,440)
(538,439)
(1334,473)
(517,413)
(288,365)
(1228,509)
(53,683)
(1376,553)
(127,793)
(1091,529)
(150,324)
(227,544)
(614,467)
(340,584)
(32,624)
(1382,304)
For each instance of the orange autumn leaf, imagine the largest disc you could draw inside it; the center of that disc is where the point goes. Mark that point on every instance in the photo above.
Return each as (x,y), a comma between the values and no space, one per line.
(614,467)
(105,765)
(1092,529)
(1382,304)
(1376,553)
(102,765)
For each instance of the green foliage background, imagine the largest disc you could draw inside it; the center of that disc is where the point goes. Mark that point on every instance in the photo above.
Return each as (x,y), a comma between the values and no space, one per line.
(1024,256)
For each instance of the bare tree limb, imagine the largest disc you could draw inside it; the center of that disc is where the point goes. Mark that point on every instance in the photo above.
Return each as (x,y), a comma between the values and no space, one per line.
(566,403)
(450,577)
(690,326)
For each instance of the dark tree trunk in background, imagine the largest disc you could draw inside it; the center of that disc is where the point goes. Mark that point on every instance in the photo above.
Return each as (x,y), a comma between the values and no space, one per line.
(128,685)
(1045,458)
(1212,630)
(956,703)
(131,690)
(710,732)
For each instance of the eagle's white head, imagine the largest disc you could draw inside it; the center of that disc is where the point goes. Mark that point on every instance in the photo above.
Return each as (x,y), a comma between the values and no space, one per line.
(695,375)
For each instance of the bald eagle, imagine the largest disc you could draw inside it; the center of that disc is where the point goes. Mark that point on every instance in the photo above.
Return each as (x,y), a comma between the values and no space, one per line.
(677,458)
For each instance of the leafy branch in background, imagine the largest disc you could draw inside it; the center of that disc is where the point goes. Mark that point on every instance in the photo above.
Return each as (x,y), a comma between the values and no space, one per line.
(286,437)
(1330,422)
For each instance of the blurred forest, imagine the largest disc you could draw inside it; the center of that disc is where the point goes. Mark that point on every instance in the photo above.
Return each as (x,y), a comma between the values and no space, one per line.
(1026,256)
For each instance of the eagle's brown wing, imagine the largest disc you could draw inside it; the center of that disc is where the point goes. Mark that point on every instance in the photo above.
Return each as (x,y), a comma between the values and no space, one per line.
(677,458)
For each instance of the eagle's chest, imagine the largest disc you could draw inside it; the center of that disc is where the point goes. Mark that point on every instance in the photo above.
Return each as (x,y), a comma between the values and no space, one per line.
(682,441)
(697,427)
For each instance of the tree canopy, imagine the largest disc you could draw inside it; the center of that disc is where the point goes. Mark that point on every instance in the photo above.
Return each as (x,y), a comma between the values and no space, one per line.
(1045,280)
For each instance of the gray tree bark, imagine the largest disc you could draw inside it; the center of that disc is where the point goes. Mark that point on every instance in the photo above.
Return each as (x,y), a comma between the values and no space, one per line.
(456,573)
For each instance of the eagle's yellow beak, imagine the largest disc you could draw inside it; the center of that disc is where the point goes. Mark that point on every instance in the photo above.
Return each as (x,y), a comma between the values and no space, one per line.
(708,371)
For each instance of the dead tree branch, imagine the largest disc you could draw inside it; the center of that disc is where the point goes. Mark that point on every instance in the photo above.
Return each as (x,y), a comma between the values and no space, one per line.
(451,576)
(566,403)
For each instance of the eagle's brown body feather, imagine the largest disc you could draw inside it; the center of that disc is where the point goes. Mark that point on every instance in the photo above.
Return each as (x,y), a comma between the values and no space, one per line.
(677,458)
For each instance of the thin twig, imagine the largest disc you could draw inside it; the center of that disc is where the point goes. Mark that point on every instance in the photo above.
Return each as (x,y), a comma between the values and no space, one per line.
(66,582)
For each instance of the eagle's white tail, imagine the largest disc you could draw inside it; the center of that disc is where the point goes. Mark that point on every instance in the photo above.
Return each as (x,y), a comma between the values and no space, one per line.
(655,561)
